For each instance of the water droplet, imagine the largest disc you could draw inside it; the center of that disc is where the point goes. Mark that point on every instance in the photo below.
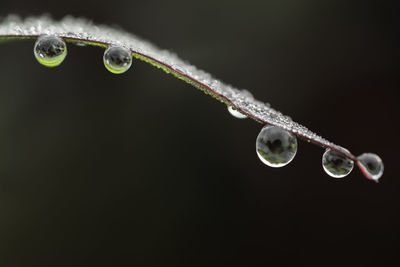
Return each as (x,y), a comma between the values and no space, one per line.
(117,59)
(235,113)
(81,44)
(179,68)
(276,147)
(336,165)
(372,164)
(50,50)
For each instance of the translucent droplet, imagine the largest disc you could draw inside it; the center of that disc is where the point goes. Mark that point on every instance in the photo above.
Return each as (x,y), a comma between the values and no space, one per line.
(235,113)
(336,165)
(50,50)
(179,68)
(372,164)
(276,147)
(117,59)
(81,44)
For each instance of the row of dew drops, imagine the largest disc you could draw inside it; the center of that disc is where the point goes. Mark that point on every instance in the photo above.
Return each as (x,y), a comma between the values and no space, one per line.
(275,146)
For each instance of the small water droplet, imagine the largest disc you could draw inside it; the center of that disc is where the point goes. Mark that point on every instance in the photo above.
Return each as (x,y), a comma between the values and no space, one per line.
(117,59)
(336,165)
(179,68)
(276,147)
(235,113)
(372,164)
(50,50)
(81,44)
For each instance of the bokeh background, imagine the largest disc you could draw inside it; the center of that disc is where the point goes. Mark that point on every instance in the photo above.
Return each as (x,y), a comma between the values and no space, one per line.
(142,169)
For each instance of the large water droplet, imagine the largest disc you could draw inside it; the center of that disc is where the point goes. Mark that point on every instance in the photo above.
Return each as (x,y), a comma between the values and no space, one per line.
(117,59)
(276,147)
(50,50)
(235,113)
(372,164)
(336,165)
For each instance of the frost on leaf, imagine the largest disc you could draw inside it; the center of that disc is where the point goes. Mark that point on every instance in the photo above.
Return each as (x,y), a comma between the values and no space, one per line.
(83,31)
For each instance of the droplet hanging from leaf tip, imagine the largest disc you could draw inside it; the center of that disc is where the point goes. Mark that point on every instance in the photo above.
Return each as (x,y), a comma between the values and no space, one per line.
(372,165)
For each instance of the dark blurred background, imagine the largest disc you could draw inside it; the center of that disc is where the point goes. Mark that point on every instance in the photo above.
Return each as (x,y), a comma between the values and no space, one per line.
(142,169)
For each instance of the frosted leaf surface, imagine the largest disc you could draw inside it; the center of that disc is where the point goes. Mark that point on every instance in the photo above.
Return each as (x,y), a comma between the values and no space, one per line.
(82,31)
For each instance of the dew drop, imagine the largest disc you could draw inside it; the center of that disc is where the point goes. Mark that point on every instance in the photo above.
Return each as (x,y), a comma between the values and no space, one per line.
(50,50)
(276,147)
(117,59)
(372,164)
(235,113)
(336,165)
(81,44)
(179,68)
